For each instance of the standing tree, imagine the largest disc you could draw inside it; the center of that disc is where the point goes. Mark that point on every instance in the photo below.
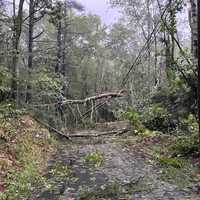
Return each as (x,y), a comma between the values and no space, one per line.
(17,30)
(198,68)
(37,10)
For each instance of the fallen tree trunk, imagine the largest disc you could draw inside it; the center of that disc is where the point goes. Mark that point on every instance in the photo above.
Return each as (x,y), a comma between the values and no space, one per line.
(100,134)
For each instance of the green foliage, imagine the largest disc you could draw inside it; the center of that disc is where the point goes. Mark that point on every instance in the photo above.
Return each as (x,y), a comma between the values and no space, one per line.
(138,120)
(5,78)
(147,133)
(135,119)
(173,162)
(190,124)
(8,109)
(60,170)
(94,158)
(20,183)
(46,81)
(157,118)
(186,145)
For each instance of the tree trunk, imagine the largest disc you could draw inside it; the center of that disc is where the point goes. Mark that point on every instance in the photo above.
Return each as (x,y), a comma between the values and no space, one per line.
(17,29)
(59,47)
(63,70)
(30,48)
(198,68)
(149,32)
(193,25)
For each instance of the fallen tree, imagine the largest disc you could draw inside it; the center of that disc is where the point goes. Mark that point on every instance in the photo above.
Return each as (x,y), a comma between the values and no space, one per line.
(99,134)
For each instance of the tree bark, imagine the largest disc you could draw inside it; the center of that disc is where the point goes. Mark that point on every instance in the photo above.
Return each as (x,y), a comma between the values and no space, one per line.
(198,67)
(17,29)
(59,47)
(193,25)
(30,48)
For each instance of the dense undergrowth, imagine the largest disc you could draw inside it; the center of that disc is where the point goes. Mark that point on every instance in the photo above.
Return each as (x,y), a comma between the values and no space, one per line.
(25,148)
(171,111)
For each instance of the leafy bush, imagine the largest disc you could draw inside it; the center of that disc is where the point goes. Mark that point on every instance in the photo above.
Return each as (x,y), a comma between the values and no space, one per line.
(5,78)
(135,119)
(190,124)
(8,109)
(185,145)
(157,118)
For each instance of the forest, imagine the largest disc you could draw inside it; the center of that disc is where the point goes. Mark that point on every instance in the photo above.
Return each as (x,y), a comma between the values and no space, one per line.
(98,110)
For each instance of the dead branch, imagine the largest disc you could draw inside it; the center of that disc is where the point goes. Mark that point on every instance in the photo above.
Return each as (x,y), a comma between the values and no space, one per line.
(60,134)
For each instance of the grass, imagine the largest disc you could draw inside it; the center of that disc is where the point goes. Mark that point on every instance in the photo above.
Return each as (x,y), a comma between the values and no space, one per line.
(171,162)
(94,159)
(19,184)
(60,170)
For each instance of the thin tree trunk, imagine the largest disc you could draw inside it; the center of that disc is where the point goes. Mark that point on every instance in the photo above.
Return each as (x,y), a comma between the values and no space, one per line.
(63,70)
(198,68)
(149,32)
(59,47)
(30,48)
(193,25)
(17,22)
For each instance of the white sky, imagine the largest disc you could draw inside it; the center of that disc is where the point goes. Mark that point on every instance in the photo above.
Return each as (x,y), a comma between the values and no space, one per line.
(101,8)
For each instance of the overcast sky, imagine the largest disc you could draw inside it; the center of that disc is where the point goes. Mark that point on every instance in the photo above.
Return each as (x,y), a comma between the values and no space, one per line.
(101,8)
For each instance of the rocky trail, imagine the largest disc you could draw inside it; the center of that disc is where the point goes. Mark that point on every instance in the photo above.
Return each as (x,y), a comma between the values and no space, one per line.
(111,168)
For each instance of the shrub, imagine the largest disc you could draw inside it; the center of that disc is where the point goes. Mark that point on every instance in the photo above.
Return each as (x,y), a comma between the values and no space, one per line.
(135,119)
(190,124)
(185,145)
(157,118)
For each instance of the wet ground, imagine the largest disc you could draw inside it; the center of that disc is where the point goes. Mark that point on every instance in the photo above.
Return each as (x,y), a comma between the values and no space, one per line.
(123,174)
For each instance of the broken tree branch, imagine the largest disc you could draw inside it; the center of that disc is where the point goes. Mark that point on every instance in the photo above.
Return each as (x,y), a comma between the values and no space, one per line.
(95,98)
(85,101)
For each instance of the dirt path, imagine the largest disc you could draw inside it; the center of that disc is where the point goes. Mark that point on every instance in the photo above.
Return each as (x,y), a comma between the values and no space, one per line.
(124,174)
